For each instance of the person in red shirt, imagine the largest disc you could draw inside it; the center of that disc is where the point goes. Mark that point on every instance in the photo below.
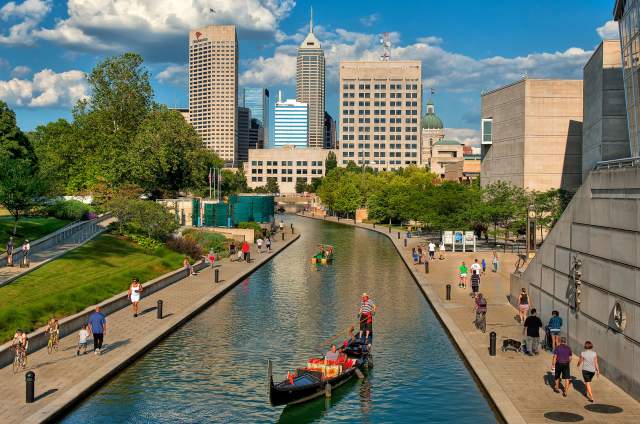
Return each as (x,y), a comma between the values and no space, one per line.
(245,250)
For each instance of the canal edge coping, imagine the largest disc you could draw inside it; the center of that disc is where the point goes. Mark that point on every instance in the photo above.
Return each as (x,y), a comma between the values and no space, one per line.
(501,401)
(61,406)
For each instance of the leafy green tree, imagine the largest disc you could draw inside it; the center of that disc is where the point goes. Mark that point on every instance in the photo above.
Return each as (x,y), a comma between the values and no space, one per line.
(234,182)
(272,185)
(348,198)
(143,217)
(20,188)
(331,162)
(301,185)
(14,144)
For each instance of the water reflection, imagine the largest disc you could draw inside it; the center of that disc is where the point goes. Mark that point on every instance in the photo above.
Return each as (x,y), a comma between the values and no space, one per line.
(214,368)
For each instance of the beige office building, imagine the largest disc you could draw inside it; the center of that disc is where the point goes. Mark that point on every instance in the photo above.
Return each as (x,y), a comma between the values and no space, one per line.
(380,104)
(286,164)
(310,85)
(213,88)
(531,134)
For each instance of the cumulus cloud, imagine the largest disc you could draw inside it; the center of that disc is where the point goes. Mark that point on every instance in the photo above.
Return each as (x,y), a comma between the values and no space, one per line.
(28,15)
(370,19)
(20,71)
(46,89)
(280,69)
(466,136)
(174,74)
(158,28)
(609,31)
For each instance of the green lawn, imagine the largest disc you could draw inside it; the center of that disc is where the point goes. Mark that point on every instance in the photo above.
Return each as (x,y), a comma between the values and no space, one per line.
(31,228)
(83,277)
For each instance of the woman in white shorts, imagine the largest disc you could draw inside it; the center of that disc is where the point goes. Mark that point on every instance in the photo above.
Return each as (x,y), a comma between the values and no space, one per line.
(134,294)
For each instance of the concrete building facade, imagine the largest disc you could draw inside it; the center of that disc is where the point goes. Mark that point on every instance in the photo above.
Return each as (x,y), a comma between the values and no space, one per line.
(310,85)
(532,134)
(380,103)
(463,171)
(444,153)
(604,131)
(291,124)
(213,88)
(287,165)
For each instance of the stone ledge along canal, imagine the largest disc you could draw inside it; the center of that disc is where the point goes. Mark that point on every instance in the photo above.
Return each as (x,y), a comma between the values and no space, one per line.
(213,369)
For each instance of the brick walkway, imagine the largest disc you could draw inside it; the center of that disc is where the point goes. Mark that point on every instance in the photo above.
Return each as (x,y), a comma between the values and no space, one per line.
(62,376)
(524,379)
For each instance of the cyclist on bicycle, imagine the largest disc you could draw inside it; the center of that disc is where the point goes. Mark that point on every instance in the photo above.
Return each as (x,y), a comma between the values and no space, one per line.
(481,312)
(53,329)
(20,342)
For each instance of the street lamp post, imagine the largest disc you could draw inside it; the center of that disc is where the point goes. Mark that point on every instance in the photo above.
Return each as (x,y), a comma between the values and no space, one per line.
(531,232)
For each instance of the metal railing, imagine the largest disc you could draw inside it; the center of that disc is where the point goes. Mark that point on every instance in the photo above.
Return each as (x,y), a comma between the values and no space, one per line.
(618,163)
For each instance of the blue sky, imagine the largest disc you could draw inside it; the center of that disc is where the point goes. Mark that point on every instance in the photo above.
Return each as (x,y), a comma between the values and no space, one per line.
(465,46)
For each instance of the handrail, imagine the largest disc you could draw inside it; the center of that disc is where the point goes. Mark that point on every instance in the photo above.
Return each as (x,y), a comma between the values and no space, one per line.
(618,163)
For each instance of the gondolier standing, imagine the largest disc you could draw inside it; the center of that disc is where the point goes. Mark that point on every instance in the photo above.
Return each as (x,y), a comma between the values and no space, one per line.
(367,309)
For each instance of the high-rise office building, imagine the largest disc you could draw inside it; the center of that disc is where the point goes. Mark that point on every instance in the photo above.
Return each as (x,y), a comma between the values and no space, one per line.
(329,132)
(257,100)
(244,133)
(213,88)
(310,84)
(291,123)
(380,104)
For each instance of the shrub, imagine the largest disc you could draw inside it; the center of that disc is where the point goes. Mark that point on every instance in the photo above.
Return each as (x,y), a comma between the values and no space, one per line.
(257,229)
(145,242)
(208,240)
(73,210)
(186,246)
(143,217)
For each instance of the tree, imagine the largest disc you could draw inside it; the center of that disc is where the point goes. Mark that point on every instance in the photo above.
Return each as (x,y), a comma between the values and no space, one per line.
(20,189)
(331,162)
(272,185)
(301,185)
(14,144)
(144,217)
(234,182)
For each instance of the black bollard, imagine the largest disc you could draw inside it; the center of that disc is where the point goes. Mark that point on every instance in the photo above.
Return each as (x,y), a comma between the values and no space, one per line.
(248,257)
(338,218)
(216,274)
(405,242)
(292,228)
(389,229)
(398,235)
(492,343)
(282,236)
(448,291)
(159,309)
(374,225)
(426,266)
(30,378)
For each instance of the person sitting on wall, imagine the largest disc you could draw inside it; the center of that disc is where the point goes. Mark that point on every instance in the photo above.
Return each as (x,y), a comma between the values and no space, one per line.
(332,354)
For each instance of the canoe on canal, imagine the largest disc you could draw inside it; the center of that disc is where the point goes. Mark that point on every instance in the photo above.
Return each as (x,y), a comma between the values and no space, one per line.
(324,255)
(318,378)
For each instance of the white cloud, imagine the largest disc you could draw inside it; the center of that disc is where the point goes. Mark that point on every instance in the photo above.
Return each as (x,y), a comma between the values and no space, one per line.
(46,89)
(370,19)
(174,74)
(280,69)
(4,63)
(609,31)
(466,136)
(158,28)
(29,13)
(20,71)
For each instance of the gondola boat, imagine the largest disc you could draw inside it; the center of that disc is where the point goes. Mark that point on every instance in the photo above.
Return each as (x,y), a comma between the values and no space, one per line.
(318,378)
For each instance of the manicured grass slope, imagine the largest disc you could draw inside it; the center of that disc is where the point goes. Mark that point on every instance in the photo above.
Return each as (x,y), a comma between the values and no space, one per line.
(31,228)
(83,277)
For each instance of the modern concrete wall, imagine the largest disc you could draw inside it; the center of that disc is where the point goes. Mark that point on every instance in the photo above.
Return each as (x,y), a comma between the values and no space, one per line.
(601,227)
(537,134)
(605,133)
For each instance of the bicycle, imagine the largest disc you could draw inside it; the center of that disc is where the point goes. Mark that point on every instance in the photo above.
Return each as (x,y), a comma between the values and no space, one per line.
(481,321)
(19,359)
(53,342)
(522,260)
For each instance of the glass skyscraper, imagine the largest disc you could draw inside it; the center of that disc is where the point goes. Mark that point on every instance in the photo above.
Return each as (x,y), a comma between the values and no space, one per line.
(257,101)
(627,14)
(291,123)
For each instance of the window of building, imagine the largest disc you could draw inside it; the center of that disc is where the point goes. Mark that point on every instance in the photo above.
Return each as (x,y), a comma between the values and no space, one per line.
(487,131)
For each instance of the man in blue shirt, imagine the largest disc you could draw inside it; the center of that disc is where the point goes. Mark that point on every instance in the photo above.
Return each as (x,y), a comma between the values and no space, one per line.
(98,327)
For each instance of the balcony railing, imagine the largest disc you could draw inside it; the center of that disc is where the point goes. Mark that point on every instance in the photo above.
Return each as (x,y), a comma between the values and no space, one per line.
(618,163)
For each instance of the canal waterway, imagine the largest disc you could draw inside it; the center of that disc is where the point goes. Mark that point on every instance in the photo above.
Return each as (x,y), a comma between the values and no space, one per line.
(213,369)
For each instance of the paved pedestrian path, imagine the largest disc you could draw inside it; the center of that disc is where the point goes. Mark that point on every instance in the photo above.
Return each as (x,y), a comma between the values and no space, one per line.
(523,379)
(41,257)
(62,376)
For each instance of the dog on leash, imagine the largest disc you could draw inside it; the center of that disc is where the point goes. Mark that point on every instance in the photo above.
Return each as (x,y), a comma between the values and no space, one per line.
(511,345)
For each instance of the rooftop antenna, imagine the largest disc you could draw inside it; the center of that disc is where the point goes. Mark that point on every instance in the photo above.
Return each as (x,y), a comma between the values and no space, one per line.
(311,21)
(385,42)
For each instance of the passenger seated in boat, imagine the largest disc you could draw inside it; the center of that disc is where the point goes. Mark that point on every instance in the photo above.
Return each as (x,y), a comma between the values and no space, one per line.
(332,354)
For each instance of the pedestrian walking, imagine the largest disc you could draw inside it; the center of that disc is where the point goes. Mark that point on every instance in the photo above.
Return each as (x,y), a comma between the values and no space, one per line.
(442,250)
(419,254)
(432,250)
(259,243)
(414,255)
(531,330)
(589,362)
(523,304)
(212,257)
(135,290)
(10,252)
(560,365)
(26,249)
(484,266)
(98,327)
(480,307)
(475,266)
(555,324)
(475,282)
(267,243)
(463,276)
(83,335)
(495,261)
(245,251)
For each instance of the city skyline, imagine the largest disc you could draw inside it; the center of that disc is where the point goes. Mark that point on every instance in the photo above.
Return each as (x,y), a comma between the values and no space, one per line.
(44,79)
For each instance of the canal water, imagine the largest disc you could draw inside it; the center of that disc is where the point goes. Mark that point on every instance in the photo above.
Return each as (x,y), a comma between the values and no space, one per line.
(213,369)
